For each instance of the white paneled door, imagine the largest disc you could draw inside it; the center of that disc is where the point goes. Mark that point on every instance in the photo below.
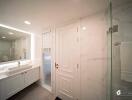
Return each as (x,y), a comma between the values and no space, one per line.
(67,62)
(81,60)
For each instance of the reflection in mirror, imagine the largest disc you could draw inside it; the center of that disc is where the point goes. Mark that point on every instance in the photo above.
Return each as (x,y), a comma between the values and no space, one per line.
(14,45)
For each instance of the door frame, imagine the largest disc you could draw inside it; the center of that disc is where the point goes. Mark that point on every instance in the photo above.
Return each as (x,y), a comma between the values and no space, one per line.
(53,32)
(52,88)
(77,24)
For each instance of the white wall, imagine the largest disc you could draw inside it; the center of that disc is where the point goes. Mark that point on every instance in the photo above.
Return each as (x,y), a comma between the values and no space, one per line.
(37,49)
(94,57)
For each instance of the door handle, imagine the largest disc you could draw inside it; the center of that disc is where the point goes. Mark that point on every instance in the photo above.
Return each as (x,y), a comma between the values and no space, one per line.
(56,65)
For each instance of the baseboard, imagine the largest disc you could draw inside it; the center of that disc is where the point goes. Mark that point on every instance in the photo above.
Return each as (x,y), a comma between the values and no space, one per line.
(47,87)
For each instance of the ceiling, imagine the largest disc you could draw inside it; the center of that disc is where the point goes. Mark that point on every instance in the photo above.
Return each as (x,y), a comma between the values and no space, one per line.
(45,13)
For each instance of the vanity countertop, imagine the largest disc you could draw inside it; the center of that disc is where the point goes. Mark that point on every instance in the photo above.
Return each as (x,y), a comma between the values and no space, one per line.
(3,76)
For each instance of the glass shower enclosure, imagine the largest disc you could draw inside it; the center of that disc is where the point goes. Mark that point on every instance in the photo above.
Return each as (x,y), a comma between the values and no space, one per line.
(121,49)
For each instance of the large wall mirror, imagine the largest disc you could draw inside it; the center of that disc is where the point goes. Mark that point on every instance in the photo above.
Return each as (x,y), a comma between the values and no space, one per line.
(14,45)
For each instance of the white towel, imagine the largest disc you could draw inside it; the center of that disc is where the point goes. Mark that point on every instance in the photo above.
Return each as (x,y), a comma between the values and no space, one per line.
(126,61)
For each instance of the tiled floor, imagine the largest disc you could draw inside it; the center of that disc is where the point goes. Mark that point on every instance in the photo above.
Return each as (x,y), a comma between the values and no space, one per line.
(33,92)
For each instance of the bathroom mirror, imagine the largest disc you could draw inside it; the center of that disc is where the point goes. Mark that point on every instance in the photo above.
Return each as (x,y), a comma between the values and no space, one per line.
(14,45)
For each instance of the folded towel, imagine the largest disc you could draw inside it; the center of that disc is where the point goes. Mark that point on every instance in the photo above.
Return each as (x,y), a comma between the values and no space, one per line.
(126,61)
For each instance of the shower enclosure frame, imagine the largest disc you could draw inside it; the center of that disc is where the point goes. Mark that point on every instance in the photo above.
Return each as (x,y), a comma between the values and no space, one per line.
(109,51)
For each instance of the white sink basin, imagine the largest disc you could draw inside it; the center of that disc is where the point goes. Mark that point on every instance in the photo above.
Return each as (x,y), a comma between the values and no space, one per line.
(17,69)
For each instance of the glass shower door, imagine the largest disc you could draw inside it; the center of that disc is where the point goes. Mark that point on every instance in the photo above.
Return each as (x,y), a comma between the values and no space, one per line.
(121,50)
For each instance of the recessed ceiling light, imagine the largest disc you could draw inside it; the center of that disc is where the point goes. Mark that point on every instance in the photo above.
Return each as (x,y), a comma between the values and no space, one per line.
(11,33)
(27,22)
(3,37)
(84,28)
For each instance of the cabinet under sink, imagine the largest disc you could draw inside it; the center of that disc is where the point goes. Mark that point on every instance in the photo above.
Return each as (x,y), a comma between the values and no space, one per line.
(17,82)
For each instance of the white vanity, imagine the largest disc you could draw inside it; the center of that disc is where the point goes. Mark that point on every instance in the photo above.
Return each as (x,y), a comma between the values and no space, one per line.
(16,68)
(16,79)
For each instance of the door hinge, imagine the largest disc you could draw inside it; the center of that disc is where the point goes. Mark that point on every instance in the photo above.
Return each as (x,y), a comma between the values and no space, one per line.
(77,66)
